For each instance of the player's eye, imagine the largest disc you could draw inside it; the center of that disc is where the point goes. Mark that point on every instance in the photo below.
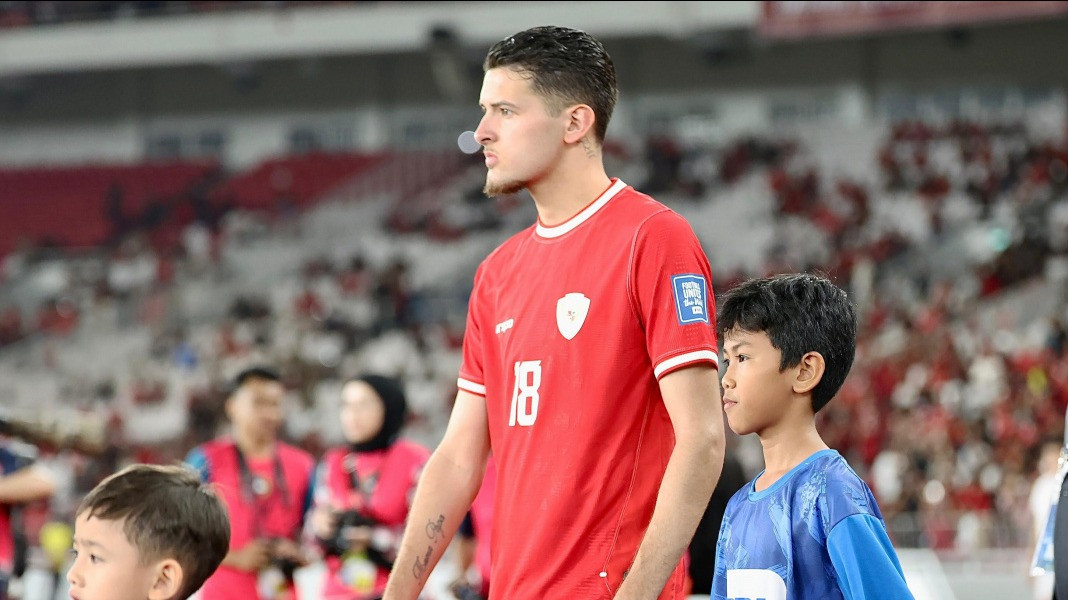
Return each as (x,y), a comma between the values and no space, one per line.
(742,358)
(94,558)
(506,111)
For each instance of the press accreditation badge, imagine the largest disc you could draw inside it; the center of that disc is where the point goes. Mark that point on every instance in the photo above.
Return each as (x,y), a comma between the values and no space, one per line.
(691,298)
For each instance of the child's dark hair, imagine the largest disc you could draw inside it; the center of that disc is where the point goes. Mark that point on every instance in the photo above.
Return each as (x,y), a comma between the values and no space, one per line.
(566,66)
(166,512)
(799,313)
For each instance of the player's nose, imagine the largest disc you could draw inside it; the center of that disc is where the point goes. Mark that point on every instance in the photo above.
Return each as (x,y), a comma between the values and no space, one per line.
(483,133)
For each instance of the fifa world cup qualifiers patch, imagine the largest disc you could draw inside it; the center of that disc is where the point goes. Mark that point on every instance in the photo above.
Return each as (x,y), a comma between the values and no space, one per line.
(691,298)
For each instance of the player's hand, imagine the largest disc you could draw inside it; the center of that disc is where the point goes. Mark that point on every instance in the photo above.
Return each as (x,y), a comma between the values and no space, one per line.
(252,557)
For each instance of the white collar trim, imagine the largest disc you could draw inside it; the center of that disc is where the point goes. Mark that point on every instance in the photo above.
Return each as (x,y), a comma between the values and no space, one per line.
(582,217)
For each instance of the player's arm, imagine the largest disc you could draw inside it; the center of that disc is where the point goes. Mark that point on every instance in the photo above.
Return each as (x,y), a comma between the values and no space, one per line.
(865,560)
(26,485)
(691,396)
(446,489)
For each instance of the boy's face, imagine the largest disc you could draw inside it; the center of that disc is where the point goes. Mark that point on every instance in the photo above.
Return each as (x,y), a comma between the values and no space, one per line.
(755,393)
(106,565)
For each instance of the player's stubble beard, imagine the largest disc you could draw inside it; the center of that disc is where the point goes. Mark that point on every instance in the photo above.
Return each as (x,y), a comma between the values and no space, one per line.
(502,188)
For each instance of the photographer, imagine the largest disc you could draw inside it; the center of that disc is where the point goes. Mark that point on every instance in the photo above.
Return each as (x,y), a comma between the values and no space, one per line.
(364,489)
(21,481)
(266,485)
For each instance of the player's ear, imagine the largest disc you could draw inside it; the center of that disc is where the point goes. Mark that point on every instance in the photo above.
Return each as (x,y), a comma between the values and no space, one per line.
(809,372)
(168,577)
(580,119)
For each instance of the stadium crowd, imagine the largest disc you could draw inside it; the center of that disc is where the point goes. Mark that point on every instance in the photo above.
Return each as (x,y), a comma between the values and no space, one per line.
(955,249)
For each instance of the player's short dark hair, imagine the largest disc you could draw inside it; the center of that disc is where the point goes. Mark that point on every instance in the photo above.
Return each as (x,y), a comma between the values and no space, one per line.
(259,372)
(566,66)
(166,512)
(799,313)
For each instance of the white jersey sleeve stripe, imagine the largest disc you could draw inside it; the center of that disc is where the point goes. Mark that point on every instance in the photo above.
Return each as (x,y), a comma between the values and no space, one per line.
(471,386)
(682,359)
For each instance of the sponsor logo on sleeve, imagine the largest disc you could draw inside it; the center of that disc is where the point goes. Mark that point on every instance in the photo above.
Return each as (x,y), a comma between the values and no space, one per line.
(691,298)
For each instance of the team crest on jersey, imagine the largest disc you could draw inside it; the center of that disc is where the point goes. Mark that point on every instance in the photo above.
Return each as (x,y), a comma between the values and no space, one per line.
(691,298)
(571,313)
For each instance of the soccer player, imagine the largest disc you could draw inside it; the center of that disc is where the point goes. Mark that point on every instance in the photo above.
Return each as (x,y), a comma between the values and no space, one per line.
(589,358)
(148,532)
(807,527)
(267,487)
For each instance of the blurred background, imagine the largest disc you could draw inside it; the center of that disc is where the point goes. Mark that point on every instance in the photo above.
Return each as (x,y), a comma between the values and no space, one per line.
(187,188)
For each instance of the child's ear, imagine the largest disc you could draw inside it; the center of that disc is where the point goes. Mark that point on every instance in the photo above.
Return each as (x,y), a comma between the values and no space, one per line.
(809,372)
(168,580)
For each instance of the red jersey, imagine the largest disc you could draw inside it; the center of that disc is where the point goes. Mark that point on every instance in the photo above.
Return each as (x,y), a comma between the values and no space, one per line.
(274,509)
(569,330)
(378,484)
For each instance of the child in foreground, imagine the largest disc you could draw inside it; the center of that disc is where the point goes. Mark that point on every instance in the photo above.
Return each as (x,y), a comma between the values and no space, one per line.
(807,527)
(148,532)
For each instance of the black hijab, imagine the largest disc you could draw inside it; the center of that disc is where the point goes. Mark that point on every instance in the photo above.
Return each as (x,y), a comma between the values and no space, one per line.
(392,396)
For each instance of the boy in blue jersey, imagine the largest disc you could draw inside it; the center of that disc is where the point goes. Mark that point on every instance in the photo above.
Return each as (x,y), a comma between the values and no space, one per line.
(807,527)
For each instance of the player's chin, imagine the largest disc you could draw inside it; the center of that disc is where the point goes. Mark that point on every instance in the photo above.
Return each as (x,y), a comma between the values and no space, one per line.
(498,187)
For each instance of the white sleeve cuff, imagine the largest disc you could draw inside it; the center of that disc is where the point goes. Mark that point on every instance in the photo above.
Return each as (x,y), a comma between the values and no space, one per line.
(684,359)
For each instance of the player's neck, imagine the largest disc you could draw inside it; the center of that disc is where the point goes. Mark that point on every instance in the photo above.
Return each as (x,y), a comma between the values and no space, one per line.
(786,446)
(254,447)
(570,187)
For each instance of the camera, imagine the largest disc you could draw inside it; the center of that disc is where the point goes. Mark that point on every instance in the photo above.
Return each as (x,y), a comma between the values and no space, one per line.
(339,543)
(284,564)
(465,591)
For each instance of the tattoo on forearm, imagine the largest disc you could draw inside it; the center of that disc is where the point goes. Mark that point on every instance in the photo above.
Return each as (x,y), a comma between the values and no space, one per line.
(434,531)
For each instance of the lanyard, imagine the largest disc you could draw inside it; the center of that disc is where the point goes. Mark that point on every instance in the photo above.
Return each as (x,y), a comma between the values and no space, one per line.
(258,491)
(366,487)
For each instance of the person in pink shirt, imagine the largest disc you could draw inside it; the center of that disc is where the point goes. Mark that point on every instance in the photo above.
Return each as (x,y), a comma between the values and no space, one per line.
(364,489)
(267,487)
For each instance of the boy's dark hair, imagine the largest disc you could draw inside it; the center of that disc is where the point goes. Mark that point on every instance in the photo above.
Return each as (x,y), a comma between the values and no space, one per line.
(261,373)
(166,513)
(799,313)
(565,66)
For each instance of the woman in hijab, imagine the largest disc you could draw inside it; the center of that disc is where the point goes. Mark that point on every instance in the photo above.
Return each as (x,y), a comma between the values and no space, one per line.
(364,489)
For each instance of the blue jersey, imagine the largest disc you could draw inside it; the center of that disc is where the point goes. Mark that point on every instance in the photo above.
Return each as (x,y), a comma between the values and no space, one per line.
(816,533)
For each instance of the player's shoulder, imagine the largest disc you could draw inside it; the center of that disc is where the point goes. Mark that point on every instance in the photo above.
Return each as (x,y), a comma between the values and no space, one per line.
(647,216)
(637,207)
